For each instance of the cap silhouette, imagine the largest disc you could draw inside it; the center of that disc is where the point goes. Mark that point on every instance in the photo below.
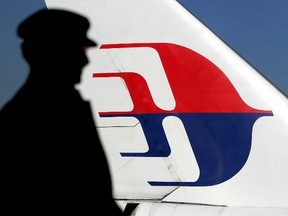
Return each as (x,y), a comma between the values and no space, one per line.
(57,26)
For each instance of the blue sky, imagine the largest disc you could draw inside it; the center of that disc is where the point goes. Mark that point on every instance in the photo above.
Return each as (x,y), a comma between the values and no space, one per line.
(256,29)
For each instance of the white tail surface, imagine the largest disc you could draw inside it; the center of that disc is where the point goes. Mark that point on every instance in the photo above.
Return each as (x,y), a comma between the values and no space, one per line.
(182,117)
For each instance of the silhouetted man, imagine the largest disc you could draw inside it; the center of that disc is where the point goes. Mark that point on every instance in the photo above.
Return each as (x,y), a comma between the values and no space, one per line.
(53,161)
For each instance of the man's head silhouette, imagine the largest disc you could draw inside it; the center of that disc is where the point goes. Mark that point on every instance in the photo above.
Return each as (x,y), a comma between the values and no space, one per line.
(55,40)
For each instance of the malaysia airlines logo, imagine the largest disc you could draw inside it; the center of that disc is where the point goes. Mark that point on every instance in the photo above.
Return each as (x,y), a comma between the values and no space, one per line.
(217,121)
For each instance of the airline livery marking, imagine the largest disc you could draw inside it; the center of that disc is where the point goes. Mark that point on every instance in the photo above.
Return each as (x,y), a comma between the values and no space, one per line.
(217,121)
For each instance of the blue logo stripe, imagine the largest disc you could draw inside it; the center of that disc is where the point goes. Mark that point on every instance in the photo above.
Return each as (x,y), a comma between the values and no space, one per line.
(221,142)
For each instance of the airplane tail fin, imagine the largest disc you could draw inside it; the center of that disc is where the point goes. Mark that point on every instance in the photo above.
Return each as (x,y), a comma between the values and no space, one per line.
(183,118)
